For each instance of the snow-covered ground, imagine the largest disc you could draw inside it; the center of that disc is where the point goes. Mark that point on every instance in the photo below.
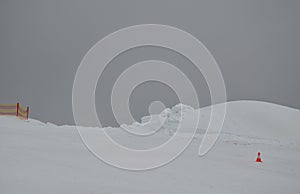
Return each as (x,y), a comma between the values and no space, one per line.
(44,158)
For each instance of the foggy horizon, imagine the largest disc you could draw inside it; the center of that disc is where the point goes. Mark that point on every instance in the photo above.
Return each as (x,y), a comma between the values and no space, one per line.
(255,44)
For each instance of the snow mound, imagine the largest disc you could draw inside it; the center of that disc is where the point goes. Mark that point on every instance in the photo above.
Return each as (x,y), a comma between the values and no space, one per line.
(254,119)
(260,120)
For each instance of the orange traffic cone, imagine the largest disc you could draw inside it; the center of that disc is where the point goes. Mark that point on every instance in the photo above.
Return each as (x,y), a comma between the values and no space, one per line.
(258,159)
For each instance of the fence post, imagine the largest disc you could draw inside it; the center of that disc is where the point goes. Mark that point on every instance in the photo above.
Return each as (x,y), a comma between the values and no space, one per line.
(27,112)
(17,113)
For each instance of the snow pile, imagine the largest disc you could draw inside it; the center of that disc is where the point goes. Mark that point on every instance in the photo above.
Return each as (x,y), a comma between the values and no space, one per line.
(167,120)
(172,115)
(253,119)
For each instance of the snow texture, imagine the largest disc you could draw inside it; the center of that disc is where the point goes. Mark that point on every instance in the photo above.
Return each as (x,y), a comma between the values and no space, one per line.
(38,157)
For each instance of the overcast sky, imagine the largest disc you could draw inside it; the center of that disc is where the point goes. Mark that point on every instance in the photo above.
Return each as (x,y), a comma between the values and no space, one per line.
(256,44)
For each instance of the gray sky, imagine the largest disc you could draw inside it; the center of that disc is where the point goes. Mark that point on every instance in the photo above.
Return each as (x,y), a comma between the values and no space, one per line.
(255,43)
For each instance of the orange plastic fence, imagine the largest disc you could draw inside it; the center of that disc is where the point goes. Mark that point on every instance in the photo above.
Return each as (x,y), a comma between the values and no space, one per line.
(14,110)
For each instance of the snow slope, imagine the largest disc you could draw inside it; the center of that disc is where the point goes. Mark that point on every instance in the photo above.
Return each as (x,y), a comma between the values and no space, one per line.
(44,158)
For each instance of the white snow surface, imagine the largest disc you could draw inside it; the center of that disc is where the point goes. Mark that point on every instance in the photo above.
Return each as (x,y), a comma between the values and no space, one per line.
(38,157)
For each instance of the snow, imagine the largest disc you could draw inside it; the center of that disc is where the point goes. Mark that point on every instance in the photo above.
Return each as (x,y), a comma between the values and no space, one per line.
(38,157)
